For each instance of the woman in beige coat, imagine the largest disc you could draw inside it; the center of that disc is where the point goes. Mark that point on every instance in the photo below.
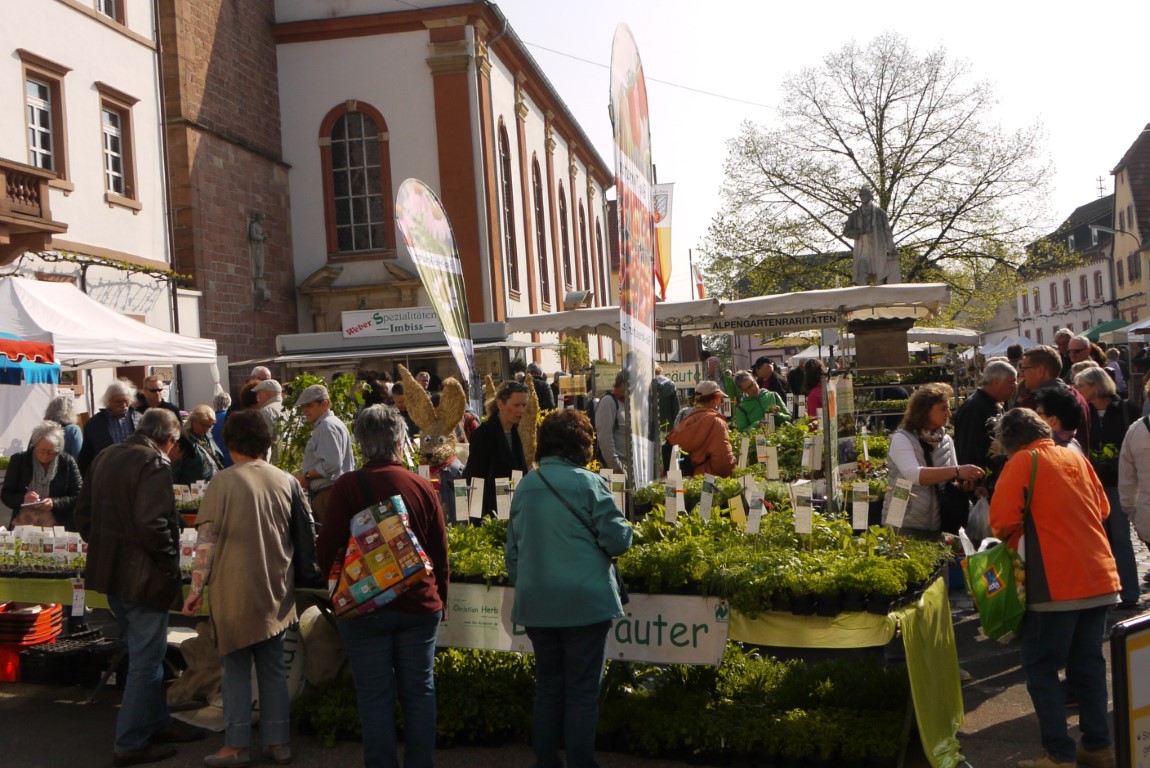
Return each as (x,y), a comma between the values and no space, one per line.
(244,551)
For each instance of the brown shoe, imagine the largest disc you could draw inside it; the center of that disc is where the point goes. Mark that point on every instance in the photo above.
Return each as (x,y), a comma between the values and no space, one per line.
(280,754)
(149,754)
(1045,761)
(1096,758)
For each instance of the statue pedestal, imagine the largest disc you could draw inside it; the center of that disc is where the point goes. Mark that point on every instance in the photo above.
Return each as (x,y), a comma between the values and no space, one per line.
(880,343)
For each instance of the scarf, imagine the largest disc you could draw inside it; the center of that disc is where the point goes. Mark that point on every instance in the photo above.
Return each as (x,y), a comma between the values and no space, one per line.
(42,476)
(933,439)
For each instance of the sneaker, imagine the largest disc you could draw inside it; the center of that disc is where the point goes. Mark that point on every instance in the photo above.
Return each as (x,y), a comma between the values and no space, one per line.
(1095,758)
(1045,761)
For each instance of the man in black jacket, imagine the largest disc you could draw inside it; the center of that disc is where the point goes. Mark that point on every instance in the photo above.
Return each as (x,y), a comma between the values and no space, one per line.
(542,390)
(764,371)
(972,438)
(127,514)
(112,424)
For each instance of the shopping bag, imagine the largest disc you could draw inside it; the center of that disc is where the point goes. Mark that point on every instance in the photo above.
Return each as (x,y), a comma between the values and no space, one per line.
(996,579)
(383,559)
(978,524)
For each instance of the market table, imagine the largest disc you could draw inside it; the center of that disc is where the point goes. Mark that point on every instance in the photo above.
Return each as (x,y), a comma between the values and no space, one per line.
(33,590)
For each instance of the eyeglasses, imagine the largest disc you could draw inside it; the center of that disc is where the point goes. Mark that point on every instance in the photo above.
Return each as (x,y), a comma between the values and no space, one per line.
(48,452)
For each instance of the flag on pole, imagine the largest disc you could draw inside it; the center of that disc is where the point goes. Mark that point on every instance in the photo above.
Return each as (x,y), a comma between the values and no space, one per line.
(664,194)
(700,289)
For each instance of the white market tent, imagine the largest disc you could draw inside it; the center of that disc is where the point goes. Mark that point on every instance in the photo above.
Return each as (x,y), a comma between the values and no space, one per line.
(681,316)
(999,347)
(87,334)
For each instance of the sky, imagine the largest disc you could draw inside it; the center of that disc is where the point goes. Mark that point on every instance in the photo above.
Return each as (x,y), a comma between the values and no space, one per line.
(710,66)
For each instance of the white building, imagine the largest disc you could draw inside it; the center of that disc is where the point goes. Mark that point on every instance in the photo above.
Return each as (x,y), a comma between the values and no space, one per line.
(82,155)
(446,94)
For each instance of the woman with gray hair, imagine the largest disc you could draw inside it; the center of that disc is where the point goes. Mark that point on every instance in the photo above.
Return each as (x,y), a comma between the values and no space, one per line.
(391,650)
(1110,420)
(1070,581)
(61,409)
(42,483)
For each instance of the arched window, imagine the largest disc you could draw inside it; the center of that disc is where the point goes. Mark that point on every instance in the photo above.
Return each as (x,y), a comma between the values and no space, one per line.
(509,251)
(356,166)
(583,253)
(565,238)
(540,232)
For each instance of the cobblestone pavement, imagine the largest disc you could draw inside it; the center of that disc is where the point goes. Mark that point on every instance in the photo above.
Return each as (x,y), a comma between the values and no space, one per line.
(50,727)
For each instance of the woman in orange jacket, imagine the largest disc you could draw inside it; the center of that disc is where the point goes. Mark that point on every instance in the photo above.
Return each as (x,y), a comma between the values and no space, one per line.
(702,434)
(1071,579)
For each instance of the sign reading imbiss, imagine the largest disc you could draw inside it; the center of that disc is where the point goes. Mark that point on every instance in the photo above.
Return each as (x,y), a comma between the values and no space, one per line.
(384,322)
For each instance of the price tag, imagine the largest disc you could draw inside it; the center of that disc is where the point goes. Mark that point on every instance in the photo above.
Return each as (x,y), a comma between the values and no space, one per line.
(503,498)
(707,497)
(78,597)
(424,471)
(738,516)
(900,497)
(860,507)
(772,462)
(459,488)
(755,517)
(804,510)
(744,445)
(475,508)
(670,514)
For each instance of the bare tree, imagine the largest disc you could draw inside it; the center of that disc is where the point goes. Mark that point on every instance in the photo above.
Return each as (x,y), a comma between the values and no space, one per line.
(963,196)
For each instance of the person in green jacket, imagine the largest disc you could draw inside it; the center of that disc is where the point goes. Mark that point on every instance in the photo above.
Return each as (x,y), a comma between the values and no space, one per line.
(563,532)
(757,403)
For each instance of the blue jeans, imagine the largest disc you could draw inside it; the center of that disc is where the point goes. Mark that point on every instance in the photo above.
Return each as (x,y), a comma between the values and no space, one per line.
(1051,640)
(389,650)
(1118,534)
(275,704)
(143,708)
(568,673)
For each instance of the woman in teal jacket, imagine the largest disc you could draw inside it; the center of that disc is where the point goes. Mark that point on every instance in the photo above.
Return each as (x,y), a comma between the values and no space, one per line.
(563,532)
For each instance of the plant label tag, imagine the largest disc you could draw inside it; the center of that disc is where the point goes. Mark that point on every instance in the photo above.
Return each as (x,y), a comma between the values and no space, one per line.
(673,462)
(755,518)
(790,402)
(680,498)
(744,446)
(900,497)
(772,462)
(461,500)
(756,499)
(866,451)
(802,406)
(516,476)
(804,510)
(816,452)
(738,516)
(670,513)
(760,449)
(78,597)
(860,507)
(475,508)
(769,421)
(618,483)
(503,498)
(424,471)
(807,461)
(606,472)
(708,497)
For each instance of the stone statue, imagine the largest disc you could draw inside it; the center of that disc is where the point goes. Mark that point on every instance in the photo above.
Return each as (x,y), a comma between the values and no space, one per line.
(256,237)
(876,260)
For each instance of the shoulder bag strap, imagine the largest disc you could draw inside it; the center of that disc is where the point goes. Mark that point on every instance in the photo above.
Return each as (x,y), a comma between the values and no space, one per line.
(570,508)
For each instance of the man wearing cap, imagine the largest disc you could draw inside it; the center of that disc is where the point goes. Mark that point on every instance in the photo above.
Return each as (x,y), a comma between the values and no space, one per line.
(328,452)
(542,391)
(260,373)
(764,370)
(269,396)
(703,434)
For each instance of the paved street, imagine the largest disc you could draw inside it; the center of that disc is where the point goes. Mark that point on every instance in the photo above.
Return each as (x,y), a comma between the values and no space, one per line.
(50,727)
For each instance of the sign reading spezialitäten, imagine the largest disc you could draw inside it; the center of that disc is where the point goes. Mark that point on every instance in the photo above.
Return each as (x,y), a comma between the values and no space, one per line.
(385,322)
(777,322)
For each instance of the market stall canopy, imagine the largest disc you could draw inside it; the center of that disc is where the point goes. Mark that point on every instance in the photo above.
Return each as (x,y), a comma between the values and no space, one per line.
(999,347)
(87,334)
(787,312)
(670,316)
(965,336)
(1110,325)
(26,362)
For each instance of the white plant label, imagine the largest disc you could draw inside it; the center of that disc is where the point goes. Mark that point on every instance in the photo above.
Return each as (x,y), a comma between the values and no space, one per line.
(859,505)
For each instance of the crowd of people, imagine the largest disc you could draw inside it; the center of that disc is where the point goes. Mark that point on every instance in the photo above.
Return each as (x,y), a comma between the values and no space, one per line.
(1048,438)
